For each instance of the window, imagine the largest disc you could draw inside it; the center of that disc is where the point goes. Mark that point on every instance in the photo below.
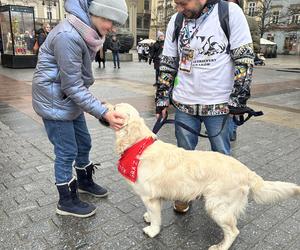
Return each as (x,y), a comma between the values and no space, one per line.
(146,22)
(275,16)
(49,15)
(296,19)
(160,16)
(146,4)
(139,22)
(251,8)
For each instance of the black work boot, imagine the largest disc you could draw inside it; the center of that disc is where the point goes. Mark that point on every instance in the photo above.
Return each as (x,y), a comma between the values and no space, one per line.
(69,202)
(86,183)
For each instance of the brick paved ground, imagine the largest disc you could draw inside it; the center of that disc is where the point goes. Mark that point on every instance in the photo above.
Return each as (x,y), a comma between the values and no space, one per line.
(269,145)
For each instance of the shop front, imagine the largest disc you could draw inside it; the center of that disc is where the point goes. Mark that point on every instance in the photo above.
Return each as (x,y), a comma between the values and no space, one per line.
(18,36)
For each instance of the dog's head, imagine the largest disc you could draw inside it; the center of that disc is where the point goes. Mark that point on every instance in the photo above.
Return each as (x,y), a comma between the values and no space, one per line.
(134,128)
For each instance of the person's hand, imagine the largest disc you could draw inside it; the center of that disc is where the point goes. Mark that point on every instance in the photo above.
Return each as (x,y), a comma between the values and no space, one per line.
(163,111)
(115,119)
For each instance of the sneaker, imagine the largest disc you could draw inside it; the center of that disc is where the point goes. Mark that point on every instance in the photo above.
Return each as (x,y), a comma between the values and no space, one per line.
(181,207)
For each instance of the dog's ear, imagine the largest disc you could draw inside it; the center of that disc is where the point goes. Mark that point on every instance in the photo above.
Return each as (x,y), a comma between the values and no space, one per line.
(134,131)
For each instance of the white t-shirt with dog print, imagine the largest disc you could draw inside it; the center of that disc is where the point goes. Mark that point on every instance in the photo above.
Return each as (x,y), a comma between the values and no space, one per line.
(211,78)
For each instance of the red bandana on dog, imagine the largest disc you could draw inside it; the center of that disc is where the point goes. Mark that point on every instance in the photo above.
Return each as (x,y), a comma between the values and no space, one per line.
(129,161)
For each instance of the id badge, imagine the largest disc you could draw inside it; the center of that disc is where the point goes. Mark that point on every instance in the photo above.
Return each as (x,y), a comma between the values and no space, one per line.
(186,60)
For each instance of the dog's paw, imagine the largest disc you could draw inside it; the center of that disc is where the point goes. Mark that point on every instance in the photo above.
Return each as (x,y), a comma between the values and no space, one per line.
(147,217)
(151,231)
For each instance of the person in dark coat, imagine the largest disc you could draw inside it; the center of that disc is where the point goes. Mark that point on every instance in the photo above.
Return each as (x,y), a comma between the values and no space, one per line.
(156,52)
(100,56)
(43,33)
(115,48)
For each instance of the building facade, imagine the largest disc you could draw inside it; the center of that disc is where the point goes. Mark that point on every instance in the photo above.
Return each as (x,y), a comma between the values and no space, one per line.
(50,11)
(284,26)
(138,23)
(162,11)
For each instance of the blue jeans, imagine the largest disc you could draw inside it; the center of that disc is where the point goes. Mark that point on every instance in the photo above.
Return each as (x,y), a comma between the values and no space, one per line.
(72,142)
(232,127)
(116,58)
(213,124)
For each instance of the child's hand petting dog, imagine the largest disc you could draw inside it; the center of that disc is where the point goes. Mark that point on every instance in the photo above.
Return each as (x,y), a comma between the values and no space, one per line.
(111,118)
(115,119)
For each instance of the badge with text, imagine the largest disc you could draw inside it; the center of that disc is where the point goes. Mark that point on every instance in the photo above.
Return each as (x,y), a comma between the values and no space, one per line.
(186,60)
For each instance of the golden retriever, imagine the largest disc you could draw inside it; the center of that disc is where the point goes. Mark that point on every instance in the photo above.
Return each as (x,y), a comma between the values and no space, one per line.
(166,172)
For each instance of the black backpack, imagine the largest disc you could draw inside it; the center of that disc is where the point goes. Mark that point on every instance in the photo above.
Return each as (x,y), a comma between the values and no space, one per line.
(223,11)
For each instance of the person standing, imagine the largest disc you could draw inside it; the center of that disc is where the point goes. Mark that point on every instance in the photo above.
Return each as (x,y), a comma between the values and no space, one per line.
(61,95)
(156,54)
(214,79)
(115,48)
(43,33)
(140,51)
(100,56)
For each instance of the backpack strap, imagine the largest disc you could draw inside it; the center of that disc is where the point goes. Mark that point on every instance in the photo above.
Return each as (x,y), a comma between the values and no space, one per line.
(223,11)
(177,27)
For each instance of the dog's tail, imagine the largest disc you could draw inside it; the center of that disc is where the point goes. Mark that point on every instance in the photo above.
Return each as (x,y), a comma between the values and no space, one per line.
(271,191)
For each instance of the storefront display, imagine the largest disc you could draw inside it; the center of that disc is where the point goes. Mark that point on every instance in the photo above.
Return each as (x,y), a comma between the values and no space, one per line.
(18,36)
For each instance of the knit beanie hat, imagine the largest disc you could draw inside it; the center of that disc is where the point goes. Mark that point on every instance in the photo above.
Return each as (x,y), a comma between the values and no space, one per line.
(114,10)
(159,34)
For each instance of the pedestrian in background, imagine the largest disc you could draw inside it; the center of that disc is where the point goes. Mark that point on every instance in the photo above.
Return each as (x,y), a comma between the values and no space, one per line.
(43,33)
(146,52)
(140,51)
(100,56)
(61,95)
(115,48)
(156,54)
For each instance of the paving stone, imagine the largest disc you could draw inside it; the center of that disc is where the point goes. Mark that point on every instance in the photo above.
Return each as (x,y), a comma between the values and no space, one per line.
(265,221)
(296,216)
(2,188)
(290,226)
(295,244)
(22,208)
(46,200)
(116,226)
(239,244)
(37,185)
(173,236)
(25,172)
(39,228)
(42,213)
(118,243)
(278,238)
(290,204)
(125,207)
(151,244)
(263,245)
(251,234)
(13,223)
(35,244)
(22,181)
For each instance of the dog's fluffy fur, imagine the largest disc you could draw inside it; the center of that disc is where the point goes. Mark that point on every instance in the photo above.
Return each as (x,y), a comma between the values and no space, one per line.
(167,172)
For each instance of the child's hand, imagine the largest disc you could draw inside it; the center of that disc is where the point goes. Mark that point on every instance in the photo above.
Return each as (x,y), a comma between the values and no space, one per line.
(115,119)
